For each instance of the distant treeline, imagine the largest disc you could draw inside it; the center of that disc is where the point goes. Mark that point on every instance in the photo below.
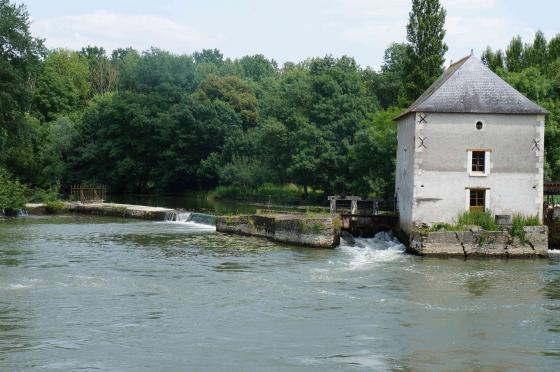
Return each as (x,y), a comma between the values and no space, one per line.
(156,121)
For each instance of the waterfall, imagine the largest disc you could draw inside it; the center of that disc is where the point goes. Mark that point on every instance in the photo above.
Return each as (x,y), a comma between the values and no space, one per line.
(190,217)
(170,216)
(22,213)
(180,217)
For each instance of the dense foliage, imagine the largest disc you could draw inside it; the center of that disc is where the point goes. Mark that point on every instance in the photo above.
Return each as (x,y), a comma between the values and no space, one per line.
(534,70)
(155,121)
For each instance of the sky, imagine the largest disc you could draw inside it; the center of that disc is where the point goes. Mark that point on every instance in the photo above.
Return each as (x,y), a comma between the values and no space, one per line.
(284,30)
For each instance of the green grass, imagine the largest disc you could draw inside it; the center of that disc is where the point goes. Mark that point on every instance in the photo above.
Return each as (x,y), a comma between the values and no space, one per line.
(519,222)
(289,194)
(487,222)
(483,219)
(466,220)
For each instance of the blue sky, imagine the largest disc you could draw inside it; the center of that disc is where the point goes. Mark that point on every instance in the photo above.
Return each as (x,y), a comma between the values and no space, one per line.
(288,30)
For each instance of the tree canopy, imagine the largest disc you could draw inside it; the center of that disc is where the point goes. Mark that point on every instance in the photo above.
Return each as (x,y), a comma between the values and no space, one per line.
(149,121)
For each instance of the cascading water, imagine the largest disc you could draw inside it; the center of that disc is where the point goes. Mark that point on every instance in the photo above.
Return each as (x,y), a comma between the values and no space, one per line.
(191,218)
(367,252)
(180,217)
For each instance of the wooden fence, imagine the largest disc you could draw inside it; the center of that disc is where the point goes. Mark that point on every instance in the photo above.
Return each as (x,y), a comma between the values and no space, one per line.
(88,193)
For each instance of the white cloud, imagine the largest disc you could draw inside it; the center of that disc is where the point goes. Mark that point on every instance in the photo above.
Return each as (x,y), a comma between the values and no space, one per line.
(113,30)
(376,33)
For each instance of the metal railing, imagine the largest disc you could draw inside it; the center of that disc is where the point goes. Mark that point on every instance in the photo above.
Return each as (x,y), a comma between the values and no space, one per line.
(88,193)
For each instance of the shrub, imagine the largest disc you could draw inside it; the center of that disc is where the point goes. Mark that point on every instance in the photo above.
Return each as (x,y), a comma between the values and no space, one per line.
(289,194)
(12,193)
(467,219)
(46,195)
(519,222)
(53,206)
(483,219)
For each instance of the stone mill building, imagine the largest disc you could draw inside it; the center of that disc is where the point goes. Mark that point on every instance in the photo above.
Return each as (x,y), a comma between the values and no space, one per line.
(469,142)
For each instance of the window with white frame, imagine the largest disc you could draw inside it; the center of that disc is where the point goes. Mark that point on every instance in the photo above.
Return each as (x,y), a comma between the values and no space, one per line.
(478,162)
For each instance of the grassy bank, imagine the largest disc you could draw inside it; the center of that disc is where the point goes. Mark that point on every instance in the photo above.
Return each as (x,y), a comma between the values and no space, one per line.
(268,193)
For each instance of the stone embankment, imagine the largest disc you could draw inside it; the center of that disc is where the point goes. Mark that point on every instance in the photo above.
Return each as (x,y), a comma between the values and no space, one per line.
(478,243)
(310,231)
(105,209)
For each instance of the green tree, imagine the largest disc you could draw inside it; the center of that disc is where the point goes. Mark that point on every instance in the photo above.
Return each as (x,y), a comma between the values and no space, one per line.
(63,86)
(387,82)
(54,150)
(257,67)
(554,48)
(233,91)
(373,155)
(102,72)
(494,60)
(536,54)
(515,55)
(426,48)
(20,57)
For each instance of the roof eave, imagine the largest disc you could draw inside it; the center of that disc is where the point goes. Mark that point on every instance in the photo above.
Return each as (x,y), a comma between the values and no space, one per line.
(407,112)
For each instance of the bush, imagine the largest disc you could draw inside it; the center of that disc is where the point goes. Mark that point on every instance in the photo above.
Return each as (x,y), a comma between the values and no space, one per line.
(519,222)
(46,195)
(53,206)
(12,194)
(467,219)
(289,194)
(483,219)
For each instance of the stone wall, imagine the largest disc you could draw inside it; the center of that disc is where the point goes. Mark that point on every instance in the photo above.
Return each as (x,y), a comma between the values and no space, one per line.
(293,229)
(481,243)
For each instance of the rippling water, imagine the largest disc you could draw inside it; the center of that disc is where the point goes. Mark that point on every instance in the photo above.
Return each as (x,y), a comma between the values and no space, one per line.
(106,294)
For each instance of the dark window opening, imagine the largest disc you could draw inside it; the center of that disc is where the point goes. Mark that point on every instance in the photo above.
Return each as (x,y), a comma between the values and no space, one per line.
(479,125)
(477,200)
(478,161)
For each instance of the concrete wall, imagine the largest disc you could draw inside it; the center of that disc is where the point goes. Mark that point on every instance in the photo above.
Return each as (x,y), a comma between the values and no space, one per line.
(481,243)
(294,229)
(404,176)
(441,178)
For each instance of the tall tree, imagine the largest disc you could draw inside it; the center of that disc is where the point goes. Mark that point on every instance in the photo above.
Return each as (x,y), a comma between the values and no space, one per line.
(102,73)
(515,56)
(387,82)
(20,56)
(494,60)
(554,48)
(63,85)
(426,48)
(537,53)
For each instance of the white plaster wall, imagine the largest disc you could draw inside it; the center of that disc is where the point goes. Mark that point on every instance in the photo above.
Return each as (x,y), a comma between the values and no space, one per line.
(404,177)
(516,167)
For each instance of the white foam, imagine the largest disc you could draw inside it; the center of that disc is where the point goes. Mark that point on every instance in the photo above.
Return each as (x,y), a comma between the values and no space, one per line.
(370,252)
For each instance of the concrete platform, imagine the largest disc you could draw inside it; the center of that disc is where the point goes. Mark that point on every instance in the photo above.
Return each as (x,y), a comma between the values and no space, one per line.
(105,209)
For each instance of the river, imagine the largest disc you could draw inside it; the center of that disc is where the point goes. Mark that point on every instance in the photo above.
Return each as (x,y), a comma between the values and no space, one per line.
(106,294)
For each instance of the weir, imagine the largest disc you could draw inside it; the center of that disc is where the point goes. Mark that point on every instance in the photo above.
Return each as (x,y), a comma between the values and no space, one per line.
(182,217)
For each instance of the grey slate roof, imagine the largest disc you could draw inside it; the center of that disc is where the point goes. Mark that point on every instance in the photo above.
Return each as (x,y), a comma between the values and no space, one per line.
(469,86)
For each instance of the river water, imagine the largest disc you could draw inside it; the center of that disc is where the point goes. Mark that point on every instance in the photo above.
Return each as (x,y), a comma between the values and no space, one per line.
(96,293)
